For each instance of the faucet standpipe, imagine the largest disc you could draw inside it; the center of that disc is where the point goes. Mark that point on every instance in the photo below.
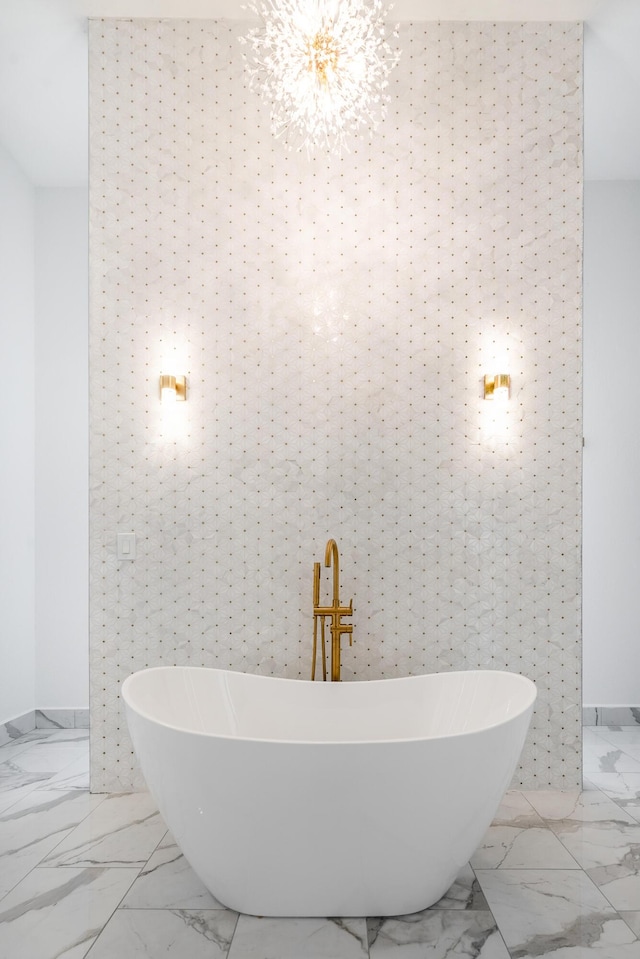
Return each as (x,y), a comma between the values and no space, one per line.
(335,612)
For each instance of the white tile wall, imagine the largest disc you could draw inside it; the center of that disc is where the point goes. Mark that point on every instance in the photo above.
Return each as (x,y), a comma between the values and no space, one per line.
(334,318)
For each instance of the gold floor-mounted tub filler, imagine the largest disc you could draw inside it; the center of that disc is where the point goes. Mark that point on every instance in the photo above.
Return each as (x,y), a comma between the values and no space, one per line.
(335,612)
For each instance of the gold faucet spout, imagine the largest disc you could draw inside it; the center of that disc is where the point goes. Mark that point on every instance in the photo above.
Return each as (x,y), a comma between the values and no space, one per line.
(331,555)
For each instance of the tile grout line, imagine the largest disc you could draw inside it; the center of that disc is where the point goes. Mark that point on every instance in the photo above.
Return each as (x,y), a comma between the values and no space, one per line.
(140,870)
(547,821)
(114,911)
(39,865)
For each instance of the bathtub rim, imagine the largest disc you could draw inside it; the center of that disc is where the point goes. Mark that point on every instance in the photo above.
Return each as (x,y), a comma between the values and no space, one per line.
(528,703)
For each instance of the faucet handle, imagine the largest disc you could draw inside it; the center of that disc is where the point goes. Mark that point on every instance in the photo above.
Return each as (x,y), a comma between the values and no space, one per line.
(348,630)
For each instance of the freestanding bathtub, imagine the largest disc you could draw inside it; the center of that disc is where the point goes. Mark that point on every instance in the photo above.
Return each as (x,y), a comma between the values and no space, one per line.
(293,798)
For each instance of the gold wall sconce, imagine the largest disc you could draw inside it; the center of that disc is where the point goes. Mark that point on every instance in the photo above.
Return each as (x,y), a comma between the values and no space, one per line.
(497,387)
(172,388)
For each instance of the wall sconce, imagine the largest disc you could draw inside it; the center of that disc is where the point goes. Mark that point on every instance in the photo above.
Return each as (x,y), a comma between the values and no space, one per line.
(172,388)
(497,387)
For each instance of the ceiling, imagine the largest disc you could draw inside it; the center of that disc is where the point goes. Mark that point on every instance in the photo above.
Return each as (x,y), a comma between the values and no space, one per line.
(43,72)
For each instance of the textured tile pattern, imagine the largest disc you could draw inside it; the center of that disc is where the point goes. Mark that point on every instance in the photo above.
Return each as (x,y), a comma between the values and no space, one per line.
(334,318)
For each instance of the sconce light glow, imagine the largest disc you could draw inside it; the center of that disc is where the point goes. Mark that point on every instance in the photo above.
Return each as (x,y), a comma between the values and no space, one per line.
(497,387)
(172,388)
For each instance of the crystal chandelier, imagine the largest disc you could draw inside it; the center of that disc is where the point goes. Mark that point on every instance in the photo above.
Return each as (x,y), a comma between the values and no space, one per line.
(323,65)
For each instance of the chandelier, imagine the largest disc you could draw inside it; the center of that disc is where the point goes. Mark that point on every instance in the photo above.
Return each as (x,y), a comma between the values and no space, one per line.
(323,66)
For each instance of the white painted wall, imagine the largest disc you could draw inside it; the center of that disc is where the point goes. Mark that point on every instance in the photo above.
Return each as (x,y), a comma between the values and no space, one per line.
(61,436)
(17,642)
(611,91)
(611,531)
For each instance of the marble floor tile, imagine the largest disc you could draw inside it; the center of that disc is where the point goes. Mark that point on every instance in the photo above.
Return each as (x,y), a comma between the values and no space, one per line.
(600,843)
(74,776)
(589,787)
(33,827)
(559,913)
(78,736)
(437,934)
(123,831)
(34,736)
(17,727)
(296,938)
(606,948)
(591,734)
(582,806)
(552,868)
(607,758)
(630,749)
(168,882)
(620,884)
(57,913)
(15,784)
(170,933)
(465,893)
(632,919)
(44,737)
(622,788)
(50,757)
(620,735)
(609,852)
(510,847)
(516,810)
(10,750)
(77,771)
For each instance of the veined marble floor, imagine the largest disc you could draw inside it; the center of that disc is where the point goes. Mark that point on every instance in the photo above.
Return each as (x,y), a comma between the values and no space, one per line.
(557,875)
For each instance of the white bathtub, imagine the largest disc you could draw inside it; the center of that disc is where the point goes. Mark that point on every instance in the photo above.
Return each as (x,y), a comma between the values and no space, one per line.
(293,798)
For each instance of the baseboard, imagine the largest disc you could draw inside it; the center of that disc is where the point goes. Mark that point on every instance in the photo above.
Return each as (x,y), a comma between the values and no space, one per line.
(62,718)
(14,728)
(43,719)
(611,715)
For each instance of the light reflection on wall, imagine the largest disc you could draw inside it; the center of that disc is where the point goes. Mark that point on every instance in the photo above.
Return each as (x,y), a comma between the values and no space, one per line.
(334,318)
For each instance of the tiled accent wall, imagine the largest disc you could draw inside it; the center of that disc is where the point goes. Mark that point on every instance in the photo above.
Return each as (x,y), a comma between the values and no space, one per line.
(334,318)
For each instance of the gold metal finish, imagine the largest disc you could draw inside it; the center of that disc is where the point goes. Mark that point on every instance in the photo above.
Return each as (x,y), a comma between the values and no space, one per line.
(500,384)
(323,52)
(335,612)
(177,384)
(316,601)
